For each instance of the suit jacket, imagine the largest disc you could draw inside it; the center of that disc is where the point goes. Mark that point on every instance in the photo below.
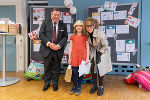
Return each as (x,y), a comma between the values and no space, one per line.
(46,35)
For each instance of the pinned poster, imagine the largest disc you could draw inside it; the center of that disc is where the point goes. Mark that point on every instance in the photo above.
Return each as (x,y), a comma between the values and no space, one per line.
(101,29)
(34,34)
(96,15)
(100,9)
(130,45)
(64,59)
(120,15)
(132,21)
(38,15)
(67,17)
(123,56)
(120,45)
(36,45)
(110,30)
(110,5)
(122,29)
(67,48)
(106,15)
(68,28)
(133,7)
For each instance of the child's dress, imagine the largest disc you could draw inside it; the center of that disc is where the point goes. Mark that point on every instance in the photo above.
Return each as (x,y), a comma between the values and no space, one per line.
(78,52)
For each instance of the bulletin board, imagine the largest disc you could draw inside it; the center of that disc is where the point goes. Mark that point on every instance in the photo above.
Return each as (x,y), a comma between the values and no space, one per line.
(35,19)
(123,42)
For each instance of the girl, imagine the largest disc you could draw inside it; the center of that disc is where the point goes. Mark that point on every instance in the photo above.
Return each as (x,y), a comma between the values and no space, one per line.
(99,54)
(78,51)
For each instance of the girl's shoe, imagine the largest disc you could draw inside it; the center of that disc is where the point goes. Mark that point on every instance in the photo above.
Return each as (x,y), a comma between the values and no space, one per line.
(100,91)
(78,91)
(72,90)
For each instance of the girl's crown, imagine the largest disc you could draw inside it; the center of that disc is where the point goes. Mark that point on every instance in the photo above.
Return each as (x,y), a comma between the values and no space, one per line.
(78,22)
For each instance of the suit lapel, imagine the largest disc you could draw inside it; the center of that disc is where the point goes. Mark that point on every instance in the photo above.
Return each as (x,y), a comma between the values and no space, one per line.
(59,29)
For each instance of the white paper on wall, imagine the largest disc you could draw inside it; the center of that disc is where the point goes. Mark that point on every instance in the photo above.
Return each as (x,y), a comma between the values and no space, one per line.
(106,15)
(110,30)
(96,15)
(110,5)
(36,45)
(120,15)
(66,17)
(100,9)
(101,29)
(130,45)
(120,45)
(123,56)
(122,29)
(68,28)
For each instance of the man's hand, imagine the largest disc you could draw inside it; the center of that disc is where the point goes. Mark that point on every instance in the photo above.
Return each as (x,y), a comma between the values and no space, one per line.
(56,47)
(51,45)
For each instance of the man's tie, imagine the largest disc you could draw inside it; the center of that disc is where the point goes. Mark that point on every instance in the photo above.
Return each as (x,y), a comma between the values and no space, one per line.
(54,33)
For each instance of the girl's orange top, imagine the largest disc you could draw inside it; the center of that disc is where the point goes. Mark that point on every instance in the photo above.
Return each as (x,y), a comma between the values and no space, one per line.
(78,52)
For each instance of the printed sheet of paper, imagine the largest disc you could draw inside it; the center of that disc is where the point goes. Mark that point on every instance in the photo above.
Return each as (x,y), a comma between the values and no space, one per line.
(130,45)
(123,56)
(120,45)
(84,69)
(100,9)
(96,15)
(64,59)
(36,45)
(110,5)
(67,48)
(66,17)
(38,15)
(132,21)
(120,15)
(106,15)
(133,7)
(122,29)
(68,28)
(110,30)
(101,29)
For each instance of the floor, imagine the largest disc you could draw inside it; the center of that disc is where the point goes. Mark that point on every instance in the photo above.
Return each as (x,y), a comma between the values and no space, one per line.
(114,89)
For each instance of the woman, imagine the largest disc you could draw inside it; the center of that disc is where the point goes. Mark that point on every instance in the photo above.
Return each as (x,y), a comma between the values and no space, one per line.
(99,54)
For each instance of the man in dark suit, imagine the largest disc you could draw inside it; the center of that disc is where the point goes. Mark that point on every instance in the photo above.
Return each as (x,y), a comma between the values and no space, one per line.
(53,35)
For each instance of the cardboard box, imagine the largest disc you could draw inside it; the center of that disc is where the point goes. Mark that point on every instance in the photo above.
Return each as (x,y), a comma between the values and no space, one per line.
(13,29)
(4,28)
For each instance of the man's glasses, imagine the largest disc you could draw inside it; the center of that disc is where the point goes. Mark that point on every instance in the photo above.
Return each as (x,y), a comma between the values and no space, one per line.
(89,26)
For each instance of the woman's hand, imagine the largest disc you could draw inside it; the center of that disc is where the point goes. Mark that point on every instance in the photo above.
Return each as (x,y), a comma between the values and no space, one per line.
(69,61)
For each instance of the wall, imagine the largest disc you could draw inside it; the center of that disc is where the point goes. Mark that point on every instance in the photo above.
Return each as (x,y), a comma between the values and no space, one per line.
(82,5)
(145,36)
(21,40)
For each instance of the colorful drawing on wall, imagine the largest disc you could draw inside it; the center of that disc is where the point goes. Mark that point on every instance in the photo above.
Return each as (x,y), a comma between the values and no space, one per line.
(132,21)
(110,6)
(38,15)
(133,7)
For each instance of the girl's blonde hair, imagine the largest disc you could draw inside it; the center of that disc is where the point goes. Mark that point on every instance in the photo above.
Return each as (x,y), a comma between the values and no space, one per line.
(79,22)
